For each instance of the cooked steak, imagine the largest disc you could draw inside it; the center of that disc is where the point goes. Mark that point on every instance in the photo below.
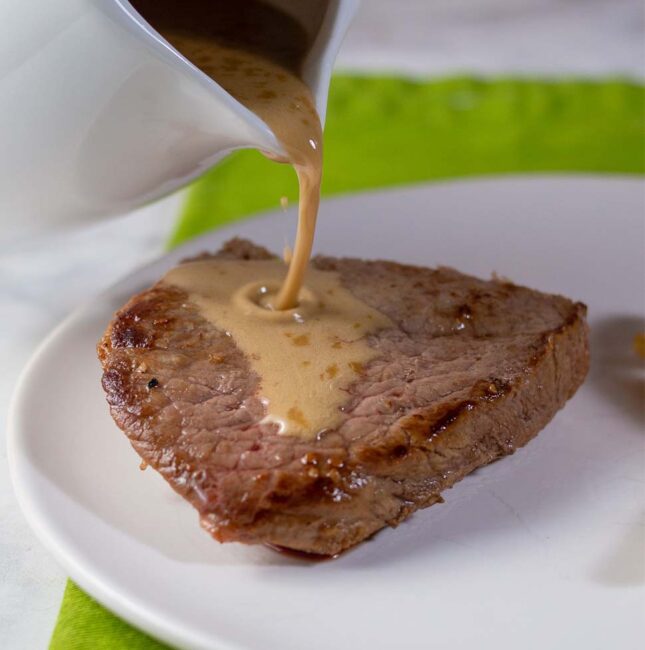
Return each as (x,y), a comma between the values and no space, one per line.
(471,371)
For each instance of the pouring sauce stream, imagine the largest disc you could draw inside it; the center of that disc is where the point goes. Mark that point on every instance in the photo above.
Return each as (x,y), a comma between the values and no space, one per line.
(306,343)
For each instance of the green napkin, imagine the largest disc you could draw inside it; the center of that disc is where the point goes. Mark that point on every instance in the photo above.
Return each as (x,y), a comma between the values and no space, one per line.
(386,131)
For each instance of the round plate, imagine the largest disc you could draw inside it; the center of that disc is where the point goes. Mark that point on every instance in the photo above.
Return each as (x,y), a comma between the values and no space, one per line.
(545,544)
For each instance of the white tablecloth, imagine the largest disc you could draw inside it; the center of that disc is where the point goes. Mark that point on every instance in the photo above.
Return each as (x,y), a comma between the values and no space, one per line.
(46,279)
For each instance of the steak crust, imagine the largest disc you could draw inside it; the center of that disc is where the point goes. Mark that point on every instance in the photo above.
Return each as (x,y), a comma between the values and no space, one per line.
(471,371)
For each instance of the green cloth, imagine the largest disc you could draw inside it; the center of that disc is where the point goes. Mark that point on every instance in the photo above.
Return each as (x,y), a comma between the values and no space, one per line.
(387,131)
(83,624)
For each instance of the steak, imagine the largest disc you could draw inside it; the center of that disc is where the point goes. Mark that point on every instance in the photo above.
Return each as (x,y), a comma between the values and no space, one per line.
(471,371)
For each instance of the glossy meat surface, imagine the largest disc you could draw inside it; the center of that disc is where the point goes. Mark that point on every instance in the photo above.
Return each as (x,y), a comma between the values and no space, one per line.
(472,371)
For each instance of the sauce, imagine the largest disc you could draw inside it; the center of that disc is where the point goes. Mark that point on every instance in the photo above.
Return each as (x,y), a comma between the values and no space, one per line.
(307,343)
(304,356)
(255,52)
(285,103)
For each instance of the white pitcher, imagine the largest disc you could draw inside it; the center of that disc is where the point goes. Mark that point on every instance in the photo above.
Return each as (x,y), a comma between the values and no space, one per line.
(99,114)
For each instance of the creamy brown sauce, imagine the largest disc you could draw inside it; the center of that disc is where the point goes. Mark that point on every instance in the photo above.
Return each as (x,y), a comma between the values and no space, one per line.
(255,53)
(285,103)
(306,343)
(304,356)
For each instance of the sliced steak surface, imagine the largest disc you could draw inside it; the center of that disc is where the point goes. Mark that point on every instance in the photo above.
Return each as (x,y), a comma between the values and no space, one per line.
(471,371)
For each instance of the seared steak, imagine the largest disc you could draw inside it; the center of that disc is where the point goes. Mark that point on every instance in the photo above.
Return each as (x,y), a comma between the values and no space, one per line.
(472,371)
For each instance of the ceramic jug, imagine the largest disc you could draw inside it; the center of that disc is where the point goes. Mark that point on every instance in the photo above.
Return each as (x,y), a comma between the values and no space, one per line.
(99,114)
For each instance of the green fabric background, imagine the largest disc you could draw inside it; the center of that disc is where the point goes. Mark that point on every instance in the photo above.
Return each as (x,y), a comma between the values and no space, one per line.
(388,131)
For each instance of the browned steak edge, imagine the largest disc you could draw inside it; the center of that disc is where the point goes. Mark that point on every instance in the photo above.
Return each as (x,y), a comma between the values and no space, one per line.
(418,459)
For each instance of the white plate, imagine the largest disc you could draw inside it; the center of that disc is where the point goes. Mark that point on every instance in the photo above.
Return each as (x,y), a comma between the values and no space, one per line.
(546,545)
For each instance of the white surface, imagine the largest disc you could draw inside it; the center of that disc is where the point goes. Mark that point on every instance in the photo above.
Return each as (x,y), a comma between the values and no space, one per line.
(547,543)
(42,281)
(491,37)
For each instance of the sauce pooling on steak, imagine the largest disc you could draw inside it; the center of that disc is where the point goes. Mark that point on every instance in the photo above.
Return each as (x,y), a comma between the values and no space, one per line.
(255,53)
(306,343)
(304,356)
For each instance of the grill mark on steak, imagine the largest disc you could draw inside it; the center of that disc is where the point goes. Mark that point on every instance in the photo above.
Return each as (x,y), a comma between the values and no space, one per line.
(441,400)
